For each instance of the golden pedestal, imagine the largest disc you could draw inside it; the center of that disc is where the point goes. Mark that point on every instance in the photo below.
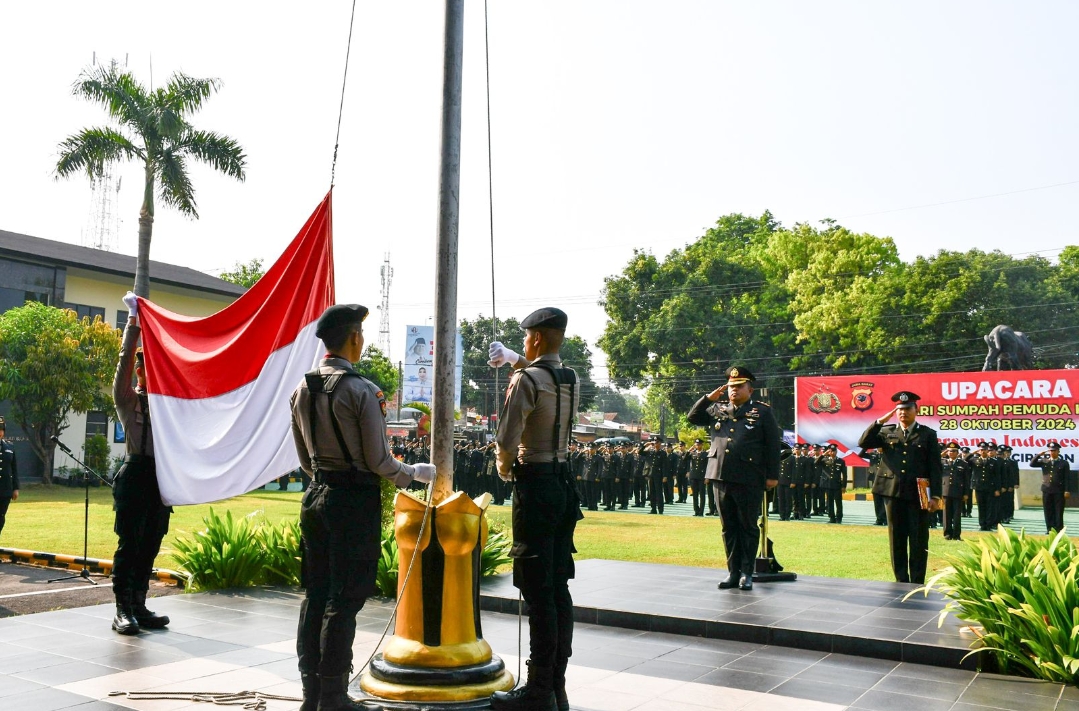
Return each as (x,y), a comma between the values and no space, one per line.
(437,655)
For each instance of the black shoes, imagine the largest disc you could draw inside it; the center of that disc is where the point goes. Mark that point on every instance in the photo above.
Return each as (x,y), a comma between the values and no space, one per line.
(746,582)
(333,696)
(124,621)
(312,690)
(145,617)
(536,695)
(730,582)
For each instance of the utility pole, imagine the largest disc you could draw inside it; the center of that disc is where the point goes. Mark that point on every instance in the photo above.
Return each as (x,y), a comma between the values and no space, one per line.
(446,265)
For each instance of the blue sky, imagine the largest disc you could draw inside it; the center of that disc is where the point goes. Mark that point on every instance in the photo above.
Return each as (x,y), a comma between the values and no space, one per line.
(615,125)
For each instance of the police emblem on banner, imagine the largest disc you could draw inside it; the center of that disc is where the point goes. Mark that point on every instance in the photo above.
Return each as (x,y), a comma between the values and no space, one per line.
(824,401)
(861,395)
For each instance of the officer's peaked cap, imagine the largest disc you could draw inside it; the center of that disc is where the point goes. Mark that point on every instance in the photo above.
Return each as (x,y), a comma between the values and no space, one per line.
(984,445)
(547,317)
(736,375)
(1003,448)
(906,398)
(1051,445)
(697,441)
(337,317)
(952,445)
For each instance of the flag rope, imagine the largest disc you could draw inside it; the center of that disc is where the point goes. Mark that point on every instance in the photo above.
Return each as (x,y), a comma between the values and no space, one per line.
(341,107)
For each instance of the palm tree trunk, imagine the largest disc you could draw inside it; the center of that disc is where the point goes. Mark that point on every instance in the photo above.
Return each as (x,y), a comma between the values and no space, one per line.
(146,229)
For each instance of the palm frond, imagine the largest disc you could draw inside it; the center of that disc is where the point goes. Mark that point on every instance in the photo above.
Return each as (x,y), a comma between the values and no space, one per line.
(220,152)
(122,97)
(185,95)
(175,188)
(91,149)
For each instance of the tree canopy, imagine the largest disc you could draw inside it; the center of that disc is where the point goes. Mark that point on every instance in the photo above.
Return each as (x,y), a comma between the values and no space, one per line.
(51,365)
(377,368)
(149,126)
(822,300)
(245,274)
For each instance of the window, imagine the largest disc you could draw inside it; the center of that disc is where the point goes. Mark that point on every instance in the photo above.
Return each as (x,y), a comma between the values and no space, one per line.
(42,297)
(97,423)
(84,311)
(121,320)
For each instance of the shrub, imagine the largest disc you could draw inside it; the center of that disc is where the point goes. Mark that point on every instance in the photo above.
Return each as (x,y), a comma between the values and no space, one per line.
(1023,593)
(281,548)
(495,554)
(96,453)
(227,554)
(386,576)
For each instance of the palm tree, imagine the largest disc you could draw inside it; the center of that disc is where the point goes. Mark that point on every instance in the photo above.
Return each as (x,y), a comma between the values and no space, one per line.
(151,126)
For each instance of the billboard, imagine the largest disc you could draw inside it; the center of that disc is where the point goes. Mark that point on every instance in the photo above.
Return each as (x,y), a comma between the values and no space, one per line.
(1021,408)
(419,366)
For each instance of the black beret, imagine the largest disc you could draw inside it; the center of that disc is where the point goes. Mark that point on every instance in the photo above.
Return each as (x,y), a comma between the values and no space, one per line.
(337,317)
(547,317)
(736,375)
(906,398)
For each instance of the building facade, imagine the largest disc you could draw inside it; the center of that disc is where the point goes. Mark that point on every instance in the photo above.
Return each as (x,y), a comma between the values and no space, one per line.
(91,282)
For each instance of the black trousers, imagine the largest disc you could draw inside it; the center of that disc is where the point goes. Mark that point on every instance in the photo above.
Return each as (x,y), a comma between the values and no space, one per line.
(341,542)
(785,501)
(668,489)
(987,509)
(834,498)
(698,496)
(1053,508)
(878,509)
(683,487)
(5,501)
(640,490)
(591,495)
(908,536)
(713,508)
(953,516)
(139,530)
(655,492)
(608,493)
(739,509)
(626,491)
(545,513)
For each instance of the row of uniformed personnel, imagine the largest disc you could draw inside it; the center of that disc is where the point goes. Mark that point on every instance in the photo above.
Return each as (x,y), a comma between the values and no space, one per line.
(811,483)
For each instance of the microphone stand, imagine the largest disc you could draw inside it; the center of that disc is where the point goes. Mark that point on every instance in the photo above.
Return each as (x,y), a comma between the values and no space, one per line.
(85,573)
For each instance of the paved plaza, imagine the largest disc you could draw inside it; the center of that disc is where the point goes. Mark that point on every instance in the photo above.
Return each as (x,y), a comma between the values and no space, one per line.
(232,641)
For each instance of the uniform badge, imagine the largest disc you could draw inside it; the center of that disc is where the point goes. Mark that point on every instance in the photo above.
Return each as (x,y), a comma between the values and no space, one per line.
(381,402)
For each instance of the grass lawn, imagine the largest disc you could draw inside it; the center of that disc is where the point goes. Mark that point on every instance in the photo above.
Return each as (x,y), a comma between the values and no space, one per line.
(50,520)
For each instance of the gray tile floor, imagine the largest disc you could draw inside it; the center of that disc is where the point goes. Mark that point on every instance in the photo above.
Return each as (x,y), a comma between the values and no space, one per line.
(70,659)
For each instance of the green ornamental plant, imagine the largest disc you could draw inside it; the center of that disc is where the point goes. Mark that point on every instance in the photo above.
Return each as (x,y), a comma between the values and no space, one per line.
(226,554)
(1022,591)
(281,549)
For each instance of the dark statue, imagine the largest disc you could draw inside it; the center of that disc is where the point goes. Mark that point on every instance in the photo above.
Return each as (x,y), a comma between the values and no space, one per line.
(1008,350)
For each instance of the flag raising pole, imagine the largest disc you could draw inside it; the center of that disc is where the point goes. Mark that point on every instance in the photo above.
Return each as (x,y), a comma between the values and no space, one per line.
(442,410)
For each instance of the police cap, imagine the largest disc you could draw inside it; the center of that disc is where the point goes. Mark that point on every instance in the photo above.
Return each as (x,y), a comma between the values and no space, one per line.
(906,398)
(952,445)
(1051,445)
(1003,448)
(547,317)
(697,441)
(984,445)
(833,447)
(2,425)
(337,317)
(965,450)
(736,375)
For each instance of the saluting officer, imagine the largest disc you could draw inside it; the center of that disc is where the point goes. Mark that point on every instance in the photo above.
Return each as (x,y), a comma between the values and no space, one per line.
(141,519)
(1009,469)
(742,462)
(541,406)
(785,490)
(873,457)
(833,481)
(955,473)
(9,475)
(698,463)
(909,452)
(339,430)
(1058,483)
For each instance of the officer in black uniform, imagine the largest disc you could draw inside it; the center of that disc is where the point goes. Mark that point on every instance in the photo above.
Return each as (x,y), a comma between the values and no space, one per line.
(955,475)
(682,472)
(833,481)
(698,463)
(1058,483)
(985,480)
(541,406)
(654,466)
(785,490)
(141,519)
(9,475)
(968,505)
(909,452)
(339,430)
(742,462)
(1009,481)
(873,456)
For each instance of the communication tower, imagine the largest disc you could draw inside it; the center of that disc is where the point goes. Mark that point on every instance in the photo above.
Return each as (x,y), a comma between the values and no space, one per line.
(384,307)
(102,229)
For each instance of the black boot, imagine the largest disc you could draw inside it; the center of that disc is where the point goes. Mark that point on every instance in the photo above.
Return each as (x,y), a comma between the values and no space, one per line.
(558,681)
(124,622)
(144,617)
(334,696)
(312,687)
(536,695)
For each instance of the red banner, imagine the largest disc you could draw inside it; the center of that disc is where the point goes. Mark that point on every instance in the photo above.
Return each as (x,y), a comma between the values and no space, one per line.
(1024,409)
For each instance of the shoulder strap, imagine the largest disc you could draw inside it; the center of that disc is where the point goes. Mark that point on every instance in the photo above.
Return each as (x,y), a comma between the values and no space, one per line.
(317,382)
(561,376)
(144,403)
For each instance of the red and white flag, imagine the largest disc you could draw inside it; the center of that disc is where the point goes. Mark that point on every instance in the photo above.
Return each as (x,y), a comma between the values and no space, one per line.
(219,386)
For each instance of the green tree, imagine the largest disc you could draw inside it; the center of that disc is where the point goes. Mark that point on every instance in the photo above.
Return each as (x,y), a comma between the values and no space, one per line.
(53,364)
(377,368)
(478,379)
(150,126)
(627,405)
(245,274)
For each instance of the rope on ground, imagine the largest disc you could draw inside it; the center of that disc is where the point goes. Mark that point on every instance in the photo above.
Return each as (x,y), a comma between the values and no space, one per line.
(252,700)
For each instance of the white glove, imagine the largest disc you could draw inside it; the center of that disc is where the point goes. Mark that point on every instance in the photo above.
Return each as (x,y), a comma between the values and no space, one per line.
(423,473)
(132,303)
(500,355)
(507,477)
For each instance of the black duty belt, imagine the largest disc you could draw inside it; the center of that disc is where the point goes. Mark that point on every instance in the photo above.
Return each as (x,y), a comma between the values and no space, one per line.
(354,479)
(542,468)
(139,459)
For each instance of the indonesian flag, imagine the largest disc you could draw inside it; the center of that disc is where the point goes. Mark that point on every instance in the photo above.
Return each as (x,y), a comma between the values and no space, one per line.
(219,386)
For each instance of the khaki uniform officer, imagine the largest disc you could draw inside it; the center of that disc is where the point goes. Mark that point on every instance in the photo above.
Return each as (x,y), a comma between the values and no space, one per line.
(339,428)
(909,452)
(533,445)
